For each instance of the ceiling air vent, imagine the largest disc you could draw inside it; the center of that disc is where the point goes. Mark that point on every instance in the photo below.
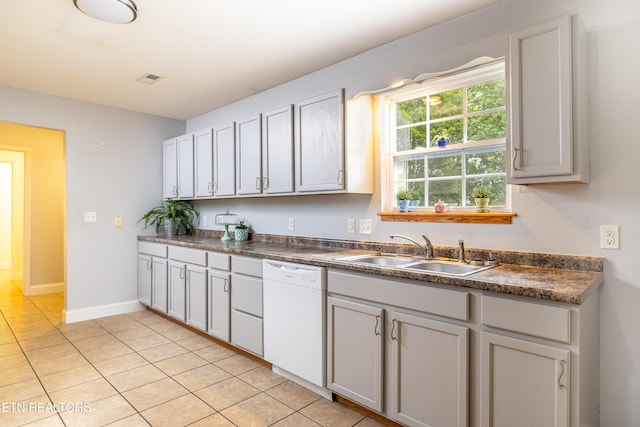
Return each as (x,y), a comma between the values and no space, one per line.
(149,78)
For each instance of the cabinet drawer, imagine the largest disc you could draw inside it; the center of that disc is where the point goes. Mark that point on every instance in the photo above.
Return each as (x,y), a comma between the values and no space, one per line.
(188,255)
(154,249)
(246,331)
(219,261)
(247,265)
(412,295)
(534,319)
(246,294)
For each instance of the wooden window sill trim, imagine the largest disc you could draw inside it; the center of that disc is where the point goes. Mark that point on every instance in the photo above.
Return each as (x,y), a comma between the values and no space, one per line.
(455,217)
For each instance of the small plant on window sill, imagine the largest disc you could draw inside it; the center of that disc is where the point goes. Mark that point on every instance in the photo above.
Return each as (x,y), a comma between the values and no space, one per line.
(404,197)
(482,194)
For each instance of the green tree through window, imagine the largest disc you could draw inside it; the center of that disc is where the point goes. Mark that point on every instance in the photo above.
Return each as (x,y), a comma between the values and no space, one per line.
(470,115)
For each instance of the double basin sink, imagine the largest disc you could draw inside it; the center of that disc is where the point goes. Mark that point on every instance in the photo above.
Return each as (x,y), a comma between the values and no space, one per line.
(436,266)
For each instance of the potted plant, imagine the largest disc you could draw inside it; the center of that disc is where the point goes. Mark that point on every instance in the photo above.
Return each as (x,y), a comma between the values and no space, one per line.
(404,197)
(242,231)
(171,214)
(482,195)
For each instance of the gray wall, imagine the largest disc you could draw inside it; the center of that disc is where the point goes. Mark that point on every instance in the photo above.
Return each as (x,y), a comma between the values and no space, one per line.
(114,167)
(554,219)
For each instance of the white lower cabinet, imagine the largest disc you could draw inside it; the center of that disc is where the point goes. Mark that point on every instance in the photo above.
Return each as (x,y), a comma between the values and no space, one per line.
(355,349)
(246,304)
(429,366)
(219,296)
(524,383)
(152,275)
(188,286)
(399,362)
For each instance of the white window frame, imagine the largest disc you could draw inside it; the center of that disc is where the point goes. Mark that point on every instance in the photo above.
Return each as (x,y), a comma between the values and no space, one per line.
(434,85)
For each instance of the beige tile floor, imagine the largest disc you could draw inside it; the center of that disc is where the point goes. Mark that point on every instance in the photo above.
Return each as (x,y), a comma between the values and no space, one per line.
(138,369)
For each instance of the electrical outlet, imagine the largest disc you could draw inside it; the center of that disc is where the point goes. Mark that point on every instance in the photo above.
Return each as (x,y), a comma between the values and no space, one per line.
(292,224)
(90,217)
(610,237)
(351,226)
(366,226)
(117,221)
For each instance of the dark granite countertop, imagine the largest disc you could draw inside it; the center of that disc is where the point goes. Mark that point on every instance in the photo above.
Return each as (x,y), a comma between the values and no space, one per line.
(562,278)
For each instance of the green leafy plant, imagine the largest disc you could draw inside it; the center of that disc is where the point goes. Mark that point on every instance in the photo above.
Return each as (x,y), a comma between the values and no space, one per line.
(404,195)
(177,211)
(481,191)
(241,224)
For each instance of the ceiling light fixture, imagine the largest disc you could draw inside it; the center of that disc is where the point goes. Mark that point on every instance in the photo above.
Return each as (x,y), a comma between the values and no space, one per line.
(114,11)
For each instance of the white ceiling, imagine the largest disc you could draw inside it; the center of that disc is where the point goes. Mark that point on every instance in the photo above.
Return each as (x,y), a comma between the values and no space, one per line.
(208,53)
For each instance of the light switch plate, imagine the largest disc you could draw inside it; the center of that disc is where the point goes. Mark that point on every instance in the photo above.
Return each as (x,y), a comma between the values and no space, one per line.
(366,226)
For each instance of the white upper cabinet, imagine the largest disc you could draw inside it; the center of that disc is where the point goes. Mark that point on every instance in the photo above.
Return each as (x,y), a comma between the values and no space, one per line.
(319,143)
(547,103)
(185,166)
(169,169)
(224,155)
(277,151)
(249,155)
(203,163)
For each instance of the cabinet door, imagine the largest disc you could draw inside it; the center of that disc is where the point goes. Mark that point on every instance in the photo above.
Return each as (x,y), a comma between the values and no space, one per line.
(224,158)
(523,383)
(540,62)
(185,166)
(219,303)
(196,278)
(177,291)
(277,151)
(169,169)
(203,163)
(429,372)
(354,351)
(159,284)
(249,156)
(320,143)
(144,279)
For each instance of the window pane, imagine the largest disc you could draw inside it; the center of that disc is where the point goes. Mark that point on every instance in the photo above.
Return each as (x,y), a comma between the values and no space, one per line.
(449,191)
(486,95)
(498,185)
(417,188)
(409,168)
(451,104)
(445,166)
(411,138)
(452,129)
(411,111)
(486,126)
(486,162)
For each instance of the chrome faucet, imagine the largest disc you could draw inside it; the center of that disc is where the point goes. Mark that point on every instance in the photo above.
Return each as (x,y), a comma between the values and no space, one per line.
(428,247)
(461,251)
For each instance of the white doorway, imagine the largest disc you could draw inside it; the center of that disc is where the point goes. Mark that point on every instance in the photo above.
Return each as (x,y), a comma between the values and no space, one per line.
(12,241)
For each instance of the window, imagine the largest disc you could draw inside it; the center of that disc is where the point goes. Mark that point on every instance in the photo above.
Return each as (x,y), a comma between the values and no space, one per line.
(448,136)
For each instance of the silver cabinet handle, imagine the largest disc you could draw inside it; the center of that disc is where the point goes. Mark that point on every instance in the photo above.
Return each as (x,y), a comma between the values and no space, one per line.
(148,264)
(210,187)
(175,190)
(182,273)
(225,288)
(265,183)
(393,330)
(215,187)
(340,175)
(258,181)
(562,366)
(375,329)
(515,155)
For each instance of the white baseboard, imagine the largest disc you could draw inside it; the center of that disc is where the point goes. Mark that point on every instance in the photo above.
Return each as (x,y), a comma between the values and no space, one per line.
(46,288)
(88,313)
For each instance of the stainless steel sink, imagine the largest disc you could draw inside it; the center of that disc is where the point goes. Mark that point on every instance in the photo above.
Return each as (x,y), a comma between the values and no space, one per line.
(446,267)
(436,266)
(381,260)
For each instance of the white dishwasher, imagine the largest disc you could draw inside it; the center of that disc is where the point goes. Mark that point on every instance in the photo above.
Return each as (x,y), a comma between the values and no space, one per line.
(294,319)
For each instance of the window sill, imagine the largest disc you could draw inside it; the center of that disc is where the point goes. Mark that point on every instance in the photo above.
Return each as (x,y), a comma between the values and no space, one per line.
(455,217)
